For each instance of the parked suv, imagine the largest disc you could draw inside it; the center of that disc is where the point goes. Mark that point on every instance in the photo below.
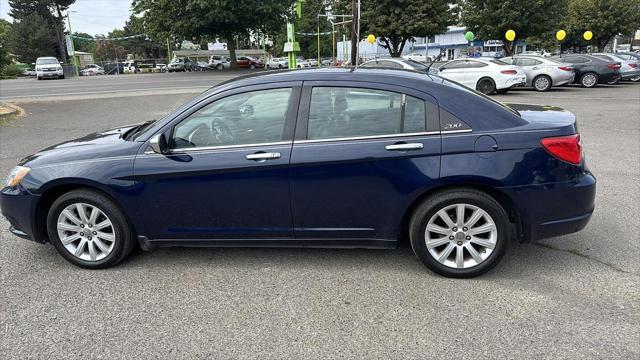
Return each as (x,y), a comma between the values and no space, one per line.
(219,62)
(48,67)
(543,73)
(590,70)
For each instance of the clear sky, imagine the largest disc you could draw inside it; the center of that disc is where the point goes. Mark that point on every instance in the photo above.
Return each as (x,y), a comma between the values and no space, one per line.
(92,16)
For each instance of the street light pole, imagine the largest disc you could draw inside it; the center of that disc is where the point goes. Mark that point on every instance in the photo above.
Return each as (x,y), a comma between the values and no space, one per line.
(73,51)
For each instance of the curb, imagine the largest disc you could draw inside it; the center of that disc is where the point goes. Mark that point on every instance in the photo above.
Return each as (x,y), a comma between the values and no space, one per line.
(10,111)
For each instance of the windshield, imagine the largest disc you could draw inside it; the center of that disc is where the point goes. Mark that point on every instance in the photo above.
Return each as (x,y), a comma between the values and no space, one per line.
(47,61)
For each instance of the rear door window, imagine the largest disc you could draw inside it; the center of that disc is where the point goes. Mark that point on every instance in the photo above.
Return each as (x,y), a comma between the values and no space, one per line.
(337,112)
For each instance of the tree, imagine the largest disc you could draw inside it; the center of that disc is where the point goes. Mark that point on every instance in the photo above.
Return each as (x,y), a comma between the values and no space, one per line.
(605,18)
(207,20)
(107,50)
(490,19)
(82,43)
(5,33)
(31,38)
(395,22)
(49,10)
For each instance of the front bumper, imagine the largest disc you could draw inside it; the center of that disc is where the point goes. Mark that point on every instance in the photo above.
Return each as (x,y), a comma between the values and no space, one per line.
(555,209)
(50,74)
(19,207)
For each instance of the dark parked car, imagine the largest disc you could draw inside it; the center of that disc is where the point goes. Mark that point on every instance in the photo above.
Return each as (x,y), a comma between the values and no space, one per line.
(113,68)
(314,158)
(590,70)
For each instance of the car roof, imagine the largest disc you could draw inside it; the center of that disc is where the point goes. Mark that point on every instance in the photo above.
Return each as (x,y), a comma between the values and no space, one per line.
(398,77)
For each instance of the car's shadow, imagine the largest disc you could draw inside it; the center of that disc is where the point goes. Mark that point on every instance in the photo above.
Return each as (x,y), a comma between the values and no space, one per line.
(521,261)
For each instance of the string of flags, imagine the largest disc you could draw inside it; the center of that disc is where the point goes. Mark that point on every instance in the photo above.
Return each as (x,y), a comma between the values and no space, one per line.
(108,39)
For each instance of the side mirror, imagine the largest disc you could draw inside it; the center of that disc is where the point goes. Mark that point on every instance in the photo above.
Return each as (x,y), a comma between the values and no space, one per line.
(158,144)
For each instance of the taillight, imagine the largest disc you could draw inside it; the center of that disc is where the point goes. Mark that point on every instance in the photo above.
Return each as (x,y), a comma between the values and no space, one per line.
(565,68)
(509,72)
(633,65)
(566,148)
(614,66)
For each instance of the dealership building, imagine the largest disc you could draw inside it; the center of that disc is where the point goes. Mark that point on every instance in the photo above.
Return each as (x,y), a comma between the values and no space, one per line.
(452,44)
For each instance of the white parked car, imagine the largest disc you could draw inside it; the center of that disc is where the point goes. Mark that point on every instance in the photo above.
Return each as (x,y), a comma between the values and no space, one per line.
(483,74)
(543,73)
(313,62)
(29,72)
(219,62)
(91,70)
(48,67)
(278,63)
(302,63)
(417,57)
(160,68)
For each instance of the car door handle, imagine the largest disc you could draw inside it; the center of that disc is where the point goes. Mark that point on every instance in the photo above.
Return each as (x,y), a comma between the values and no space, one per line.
(261,156)
(404,147)
(536,68)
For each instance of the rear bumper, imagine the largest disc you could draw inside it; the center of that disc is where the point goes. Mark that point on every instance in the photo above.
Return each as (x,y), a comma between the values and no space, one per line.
(609,77)
(555,209)
(18,207)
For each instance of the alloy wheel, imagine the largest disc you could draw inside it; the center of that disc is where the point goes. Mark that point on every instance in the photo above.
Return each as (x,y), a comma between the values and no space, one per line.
(589,80)
(542,83)
(461,236)
(86,232)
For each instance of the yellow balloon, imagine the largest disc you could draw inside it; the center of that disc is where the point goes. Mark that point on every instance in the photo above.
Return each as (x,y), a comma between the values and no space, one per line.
(588,35)
(510,35)
(371,39)
(561,34)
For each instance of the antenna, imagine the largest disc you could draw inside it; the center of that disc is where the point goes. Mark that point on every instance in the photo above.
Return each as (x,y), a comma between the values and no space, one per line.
(437,58)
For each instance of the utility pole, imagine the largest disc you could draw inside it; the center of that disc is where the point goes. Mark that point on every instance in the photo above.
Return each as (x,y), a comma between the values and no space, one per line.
(354,31)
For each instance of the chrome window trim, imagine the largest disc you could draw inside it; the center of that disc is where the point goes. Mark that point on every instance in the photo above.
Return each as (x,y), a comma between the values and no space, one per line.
(445,132)
(221,147)
(367,137)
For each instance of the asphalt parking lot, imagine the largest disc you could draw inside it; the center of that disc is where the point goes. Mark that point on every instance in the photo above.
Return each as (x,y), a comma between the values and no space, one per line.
(567,297)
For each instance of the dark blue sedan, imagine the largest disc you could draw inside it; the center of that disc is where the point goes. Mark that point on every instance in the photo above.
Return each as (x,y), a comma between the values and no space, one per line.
(314,158)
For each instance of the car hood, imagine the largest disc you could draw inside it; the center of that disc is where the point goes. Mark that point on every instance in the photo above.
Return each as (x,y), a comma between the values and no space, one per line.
(95,146)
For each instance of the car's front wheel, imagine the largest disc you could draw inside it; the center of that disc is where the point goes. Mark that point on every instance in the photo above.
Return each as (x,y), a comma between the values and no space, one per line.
(460,233)
(89,230)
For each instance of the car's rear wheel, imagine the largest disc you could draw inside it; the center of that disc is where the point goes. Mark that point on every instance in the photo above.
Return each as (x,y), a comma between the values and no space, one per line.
(460,233)
(542,83)
(589,80)
(486,86)
(89,230)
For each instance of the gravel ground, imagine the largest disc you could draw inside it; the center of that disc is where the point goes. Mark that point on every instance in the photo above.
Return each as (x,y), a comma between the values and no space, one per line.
(567,297)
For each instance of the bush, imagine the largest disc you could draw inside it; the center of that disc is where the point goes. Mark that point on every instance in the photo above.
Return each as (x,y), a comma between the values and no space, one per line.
(11,70)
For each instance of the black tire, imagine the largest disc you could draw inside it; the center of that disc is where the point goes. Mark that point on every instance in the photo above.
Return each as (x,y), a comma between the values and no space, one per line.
(635,79)
(38,77)
(252,67)
(486,86)
(425,211)
(589,80)
(502,91)
(542,83)
(124,235)
(62,77)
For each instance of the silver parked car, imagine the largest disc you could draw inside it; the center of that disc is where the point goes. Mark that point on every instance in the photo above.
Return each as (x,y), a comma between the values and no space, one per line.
(629,68)
(543,73)
(396,63)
